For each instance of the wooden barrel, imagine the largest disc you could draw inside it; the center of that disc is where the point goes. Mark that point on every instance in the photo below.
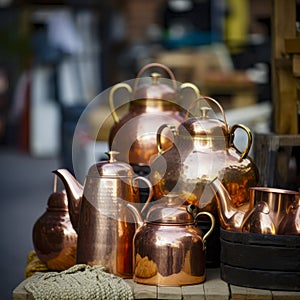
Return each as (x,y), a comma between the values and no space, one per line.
(260,260)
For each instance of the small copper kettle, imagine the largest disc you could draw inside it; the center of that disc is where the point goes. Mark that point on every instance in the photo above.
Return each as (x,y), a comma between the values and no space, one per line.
(203,148)
(169,249)
(100,216)
(151,105)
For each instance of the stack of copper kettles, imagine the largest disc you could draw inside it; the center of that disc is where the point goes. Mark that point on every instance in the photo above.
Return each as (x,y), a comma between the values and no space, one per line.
(176,196)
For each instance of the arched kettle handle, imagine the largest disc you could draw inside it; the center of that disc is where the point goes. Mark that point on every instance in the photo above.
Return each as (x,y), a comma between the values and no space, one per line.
(208,233)
(158,135)
(158,65)
(149,184)
(249,135)
(111,98)
(206,98)
(188,85)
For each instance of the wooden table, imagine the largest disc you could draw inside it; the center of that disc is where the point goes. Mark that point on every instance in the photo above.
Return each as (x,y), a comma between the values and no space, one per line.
(214,288)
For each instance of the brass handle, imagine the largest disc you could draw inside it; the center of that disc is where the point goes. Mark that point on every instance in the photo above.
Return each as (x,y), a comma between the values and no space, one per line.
(206,98)
(158,135)
(158,65)
(212,218)
(149,184)
(111,98)
(249,135)
(191,86)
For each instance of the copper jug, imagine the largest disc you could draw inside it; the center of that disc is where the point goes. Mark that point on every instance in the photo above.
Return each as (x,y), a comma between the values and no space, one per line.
(169,249)
(269,210)
(104,224)
(53,236)
(204,149)
(151,105)
(279,211)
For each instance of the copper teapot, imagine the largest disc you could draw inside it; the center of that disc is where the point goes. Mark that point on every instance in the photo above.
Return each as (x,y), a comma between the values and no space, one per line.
(269,210)
(100,216)
(151,104)
(203,148)
(169,249)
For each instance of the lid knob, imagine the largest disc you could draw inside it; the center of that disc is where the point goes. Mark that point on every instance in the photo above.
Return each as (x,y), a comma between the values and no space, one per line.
(112,155)
(155,76)
(204,111)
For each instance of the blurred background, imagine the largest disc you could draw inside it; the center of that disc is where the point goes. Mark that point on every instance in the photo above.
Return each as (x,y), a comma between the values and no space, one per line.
(56,56)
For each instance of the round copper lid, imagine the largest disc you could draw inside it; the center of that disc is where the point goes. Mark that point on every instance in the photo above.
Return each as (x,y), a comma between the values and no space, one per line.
(169,210)
(203,126)
(155,90)
(111,167)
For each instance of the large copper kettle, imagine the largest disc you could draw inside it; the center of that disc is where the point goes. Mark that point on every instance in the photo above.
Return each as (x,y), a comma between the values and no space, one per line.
(100,216)
(203,148)
(151,105)
(169,249)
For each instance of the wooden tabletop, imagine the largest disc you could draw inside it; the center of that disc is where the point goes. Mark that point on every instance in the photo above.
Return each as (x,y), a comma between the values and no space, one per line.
(214,288)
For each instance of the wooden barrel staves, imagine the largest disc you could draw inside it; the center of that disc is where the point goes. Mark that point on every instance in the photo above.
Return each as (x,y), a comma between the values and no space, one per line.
(260,260)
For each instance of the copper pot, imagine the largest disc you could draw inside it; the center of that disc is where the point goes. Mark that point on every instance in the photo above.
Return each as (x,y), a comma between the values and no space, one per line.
(204,149)
(151,105)
(169,249)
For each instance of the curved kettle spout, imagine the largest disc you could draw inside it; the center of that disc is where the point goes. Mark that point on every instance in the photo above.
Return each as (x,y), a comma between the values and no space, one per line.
(231,218)
(74,192)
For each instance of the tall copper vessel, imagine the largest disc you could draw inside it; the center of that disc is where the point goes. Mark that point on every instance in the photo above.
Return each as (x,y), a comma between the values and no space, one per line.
(151,105)
(99,211)
(204,149)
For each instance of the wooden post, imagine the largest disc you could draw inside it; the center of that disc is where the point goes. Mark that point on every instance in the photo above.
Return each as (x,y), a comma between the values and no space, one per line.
(283,80)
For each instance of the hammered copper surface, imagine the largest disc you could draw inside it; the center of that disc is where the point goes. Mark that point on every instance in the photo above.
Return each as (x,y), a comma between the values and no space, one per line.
(106,227)
(203,148)
(54,238)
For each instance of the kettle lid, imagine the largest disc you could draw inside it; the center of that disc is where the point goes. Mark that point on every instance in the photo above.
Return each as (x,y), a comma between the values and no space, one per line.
(204,126)
(155,90)
(111,167)
(169,210)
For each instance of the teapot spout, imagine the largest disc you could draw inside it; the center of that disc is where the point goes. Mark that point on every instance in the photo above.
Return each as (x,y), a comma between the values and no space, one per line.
(230,217)
(74,192)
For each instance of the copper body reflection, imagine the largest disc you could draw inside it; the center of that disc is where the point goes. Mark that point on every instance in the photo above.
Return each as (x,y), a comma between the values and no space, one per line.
(105,227)
(54,238)
(169,249)
(134,134)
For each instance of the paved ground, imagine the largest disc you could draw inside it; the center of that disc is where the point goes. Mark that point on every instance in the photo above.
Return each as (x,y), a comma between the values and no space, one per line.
(25,185)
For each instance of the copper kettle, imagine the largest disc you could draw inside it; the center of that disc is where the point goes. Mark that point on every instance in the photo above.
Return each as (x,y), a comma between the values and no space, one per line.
(151,105)
(169,249)
(100,216)
(203,148)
